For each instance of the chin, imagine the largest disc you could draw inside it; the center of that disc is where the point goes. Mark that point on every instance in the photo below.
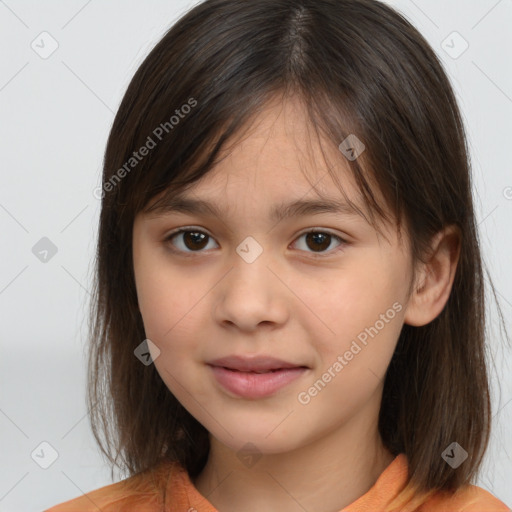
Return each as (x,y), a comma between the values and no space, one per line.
(260,440)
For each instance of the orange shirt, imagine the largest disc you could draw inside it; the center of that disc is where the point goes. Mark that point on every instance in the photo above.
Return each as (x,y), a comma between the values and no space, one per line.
(145,493)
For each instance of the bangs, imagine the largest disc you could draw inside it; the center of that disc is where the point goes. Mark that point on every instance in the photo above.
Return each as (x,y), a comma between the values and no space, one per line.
(325,130)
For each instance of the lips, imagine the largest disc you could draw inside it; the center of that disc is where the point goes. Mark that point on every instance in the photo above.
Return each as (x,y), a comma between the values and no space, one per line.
(256,364)
(254,377)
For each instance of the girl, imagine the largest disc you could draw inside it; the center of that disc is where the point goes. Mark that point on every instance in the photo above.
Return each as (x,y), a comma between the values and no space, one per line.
(289,307)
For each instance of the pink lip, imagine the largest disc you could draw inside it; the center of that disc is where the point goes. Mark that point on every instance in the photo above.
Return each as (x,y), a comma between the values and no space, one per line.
(237,375)
(252,363)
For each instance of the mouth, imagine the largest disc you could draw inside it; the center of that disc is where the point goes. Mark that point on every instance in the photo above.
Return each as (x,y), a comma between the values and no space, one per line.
(258,371)
(254,364)
(254,378)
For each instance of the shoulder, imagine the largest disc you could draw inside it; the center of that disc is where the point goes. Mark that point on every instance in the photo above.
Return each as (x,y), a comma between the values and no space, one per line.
(470,498)
(143,492)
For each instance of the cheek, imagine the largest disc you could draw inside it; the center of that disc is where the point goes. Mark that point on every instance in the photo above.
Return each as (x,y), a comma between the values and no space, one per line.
(165,291)
(361,313)
(173,316)
(160,304)
(151,297)
(165,311)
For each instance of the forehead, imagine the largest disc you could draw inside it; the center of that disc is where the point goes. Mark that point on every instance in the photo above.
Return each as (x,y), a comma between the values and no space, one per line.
(278,166)
(279,145)
(278,156)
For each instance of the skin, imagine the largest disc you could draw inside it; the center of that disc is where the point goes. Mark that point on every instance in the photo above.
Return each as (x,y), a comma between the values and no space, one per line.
(325,454)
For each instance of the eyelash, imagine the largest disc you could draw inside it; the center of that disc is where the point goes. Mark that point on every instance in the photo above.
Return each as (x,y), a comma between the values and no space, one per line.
(190,229)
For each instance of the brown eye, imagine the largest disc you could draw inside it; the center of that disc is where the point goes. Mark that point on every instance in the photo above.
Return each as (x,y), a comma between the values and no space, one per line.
(194,240)
(320,241)
(189,240)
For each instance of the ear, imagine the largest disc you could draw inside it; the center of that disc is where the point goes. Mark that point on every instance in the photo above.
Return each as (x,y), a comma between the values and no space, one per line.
(434,278)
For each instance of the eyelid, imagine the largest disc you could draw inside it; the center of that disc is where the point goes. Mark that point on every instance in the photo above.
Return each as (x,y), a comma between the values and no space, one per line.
(343,241)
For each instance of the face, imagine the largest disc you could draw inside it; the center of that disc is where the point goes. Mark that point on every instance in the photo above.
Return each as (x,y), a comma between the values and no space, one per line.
(330,304)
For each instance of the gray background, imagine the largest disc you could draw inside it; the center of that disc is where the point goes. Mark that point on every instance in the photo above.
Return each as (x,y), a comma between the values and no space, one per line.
(55,116)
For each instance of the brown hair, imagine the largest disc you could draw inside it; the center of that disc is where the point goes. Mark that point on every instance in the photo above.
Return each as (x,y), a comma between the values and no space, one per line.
(361,68)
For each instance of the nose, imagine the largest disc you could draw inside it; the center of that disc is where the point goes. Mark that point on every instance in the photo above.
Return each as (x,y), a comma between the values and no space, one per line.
(252,293)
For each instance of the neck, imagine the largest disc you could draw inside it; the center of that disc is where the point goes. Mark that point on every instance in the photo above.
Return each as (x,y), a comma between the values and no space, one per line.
(324,475)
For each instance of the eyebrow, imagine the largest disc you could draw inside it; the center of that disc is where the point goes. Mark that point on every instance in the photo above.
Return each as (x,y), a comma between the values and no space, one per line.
(279,212)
